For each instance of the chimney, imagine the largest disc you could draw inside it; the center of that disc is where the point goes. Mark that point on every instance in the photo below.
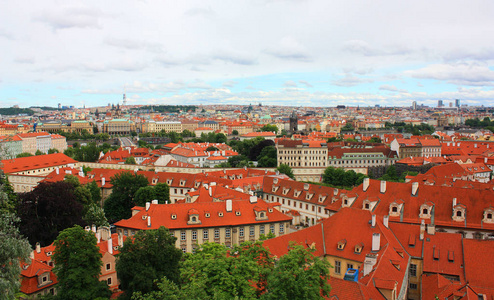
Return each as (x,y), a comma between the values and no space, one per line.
(57,170)
(148,205)
(366,184)
(110,246)
(431,229)
(422,230)
(454,202)
(98,236)
(376,242)
(485,160)
(228,205)
(383,186)
(155,201)
(120,239)
(373,221)
(253,199)
(149,221)
(415,188)
(93,228)
(103,181)
(210,192)
(369,262)
(38,248)
(386,221)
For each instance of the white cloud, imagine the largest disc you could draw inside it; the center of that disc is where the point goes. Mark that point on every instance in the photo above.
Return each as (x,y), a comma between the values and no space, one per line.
(468,73)
(290,49)
(74,17)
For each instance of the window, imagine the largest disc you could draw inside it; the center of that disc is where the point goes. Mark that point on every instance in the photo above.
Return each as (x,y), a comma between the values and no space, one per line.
(425,211)
(194,235)
(108,267)
(261,229)
(394,209)
(44,279)
(349,266)
(282,228)
(205,234)
(184,249)
(458,213)
(108,281)
(251,231)
(413,270)
(413,286)
(271,228)
(337,266)
(182,236)
(216,233)
(228,233)
(241,232)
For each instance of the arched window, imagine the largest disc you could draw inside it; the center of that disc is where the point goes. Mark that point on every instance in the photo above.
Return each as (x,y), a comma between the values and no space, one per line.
(458,213)
(394,209)
(425,211)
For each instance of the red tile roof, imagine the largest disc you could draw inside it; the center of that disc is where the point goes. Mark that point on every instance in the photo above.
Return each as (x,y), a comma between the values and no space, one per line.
(35,162)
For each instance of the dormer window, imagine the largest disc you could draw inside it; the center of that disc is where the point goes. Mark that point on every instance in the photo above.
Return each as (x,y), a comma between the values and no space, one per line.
(488,215)
(425,211)
(285,190)
(237,213)
(220,214)
(174,216)
(270,210)
(182,182)
(308,196)
(207,215)
(155,180)
(366,206)
(459,213)
(297,193)
(169,181)
(358,248)
(274,188)
(395,208)
(262,215)
(321,199)
(341,244)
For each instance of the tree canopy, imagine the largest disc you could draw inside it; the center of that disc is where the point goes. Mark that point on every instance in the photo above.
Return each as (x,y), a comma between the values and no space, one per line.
(78,265)
(119,204)
(286,169)
(269,128)
(13,249)
(47,210)
(150,255)
(338,177)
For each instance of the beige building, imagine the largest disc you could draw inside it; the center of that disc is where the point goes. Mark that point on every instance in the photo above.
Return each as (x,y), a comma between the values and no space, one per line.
(302,154)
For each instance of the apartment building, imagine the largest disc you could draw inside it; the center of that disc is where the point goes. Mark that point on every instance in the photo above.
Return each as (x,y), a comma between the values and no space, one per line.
(167,126)
(415,147)
(302,153)
(209,219)
(351,155)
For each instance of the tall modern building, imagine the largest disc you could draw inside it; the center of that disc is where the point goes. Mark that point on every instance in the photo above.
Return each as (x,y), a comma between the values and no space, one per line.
(440,103)
(414,105)
(457,103)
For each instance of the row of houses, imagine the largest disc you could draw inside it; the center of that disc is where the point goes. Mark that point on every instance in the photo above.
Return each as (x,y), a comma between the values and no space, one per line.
(11,146)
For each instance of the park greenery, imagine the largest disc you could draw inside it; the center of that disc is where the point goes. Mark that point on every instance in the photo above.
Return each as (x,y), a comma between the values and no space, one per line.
(338,177)
(88,153)
(402,127)
(12,111)
(285,169)
(486,123)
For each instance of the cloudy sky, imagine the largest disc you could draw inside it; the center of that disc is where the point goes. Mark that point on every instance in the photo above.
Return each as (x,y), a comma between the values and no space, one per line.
(294,52)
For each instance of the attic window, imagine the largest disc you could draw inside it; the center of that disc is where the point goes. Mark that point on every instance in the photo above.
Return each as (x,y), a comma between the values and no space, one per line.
(237,213)
(341,244)
(220,214)
(270,210)
(49,253)
(261,215)
(358,248)
(182,182)
(394,209)
(425,211)
(366,206)
(207,215)
(169,181)
(322,198)
(174,216)
(459,213)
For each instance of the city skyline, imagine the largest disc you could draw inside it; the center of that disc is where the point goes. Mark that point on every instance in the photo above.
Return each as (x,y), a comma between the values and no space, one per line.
(297,53)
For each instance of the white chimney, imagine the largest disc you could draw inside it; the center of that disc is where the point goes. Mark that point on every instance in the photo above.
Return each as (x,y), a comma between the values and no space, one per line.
(373,221)
(93,228)
(38,248)
(149,221)
(103,181)
(454,202)
(386,221)
(422,230)
(485,160)
(120,239)
(110,246)
(431,229)
(229,205)
(383,186)
(210,192)
(366,184)
(57,170)
(98,236)
(253,199)
(415,188)
(148,205)
(154,201)
(376,241)
(369,262)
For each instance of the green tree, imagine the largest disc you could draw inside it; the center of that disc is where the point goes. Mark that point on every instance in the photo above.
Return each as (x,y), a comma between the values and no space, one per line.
(285,169)
(149,256)
(130,161)
(238,161)
(375,139)
(119,204)
(268,157)
(162,192)
(269,128)
(53,150)
(299,275)
(23,154)
(212,148)
(95,192)
(78,265)
(234,132)
(95,215)
(8,198)
(13,249)
(144,194)
(38,152)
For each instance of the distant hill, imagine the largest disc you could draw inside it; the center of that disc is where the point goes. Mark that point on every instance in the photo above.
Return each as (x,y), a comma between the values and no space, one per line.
(9,111)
